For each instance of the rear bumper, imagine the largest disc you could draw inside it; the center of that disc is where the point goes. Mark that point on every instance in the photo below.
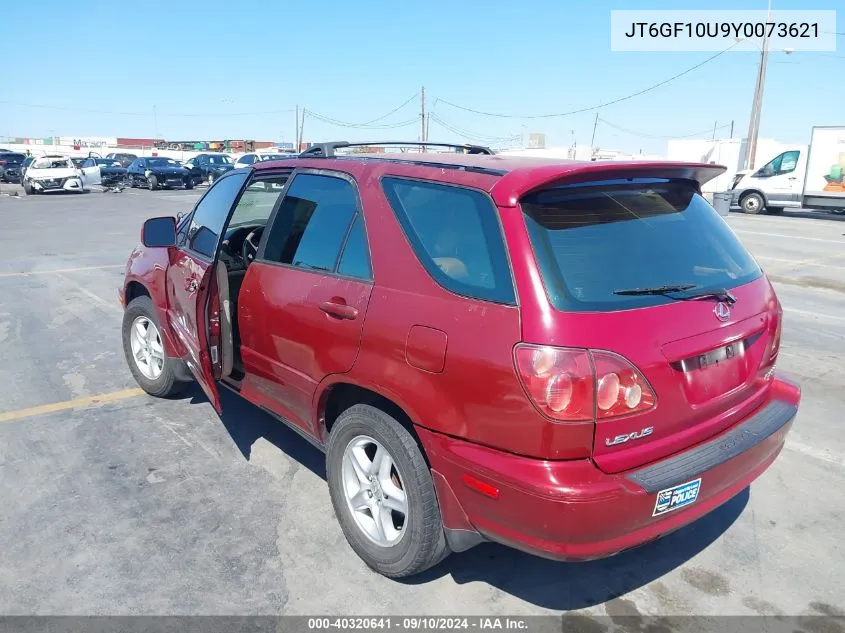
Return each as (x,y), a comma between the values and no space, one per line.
(571,510)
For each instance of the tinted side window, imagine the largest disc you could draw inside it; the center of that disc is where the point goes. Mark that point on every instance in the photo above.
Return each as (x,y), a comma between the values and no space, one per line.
(456,235)
(355,261)
(211,212)
(312,222)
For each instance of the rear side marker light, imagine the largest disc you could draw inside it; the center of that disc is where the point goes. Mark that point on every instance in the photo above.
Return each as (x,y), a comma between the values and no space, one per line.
(480,486)
(574,385)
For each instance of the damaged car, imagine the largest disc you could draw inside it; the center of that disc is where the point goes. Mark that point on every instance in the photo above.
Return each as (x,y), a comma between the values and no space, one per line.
(157,172)
(52,173)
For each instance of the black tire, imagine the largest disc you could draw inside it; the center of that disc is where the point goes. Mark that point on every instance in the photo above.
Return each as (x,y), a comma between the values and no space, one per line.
(27,189)
(424,543)
(166,384)
(752,203)
(189,183)
(152,182)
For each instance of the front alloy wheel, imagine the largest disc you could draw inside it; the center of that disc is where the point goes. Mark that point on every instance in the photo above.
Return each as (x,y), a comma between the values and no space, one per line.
(147,350)
(374,492)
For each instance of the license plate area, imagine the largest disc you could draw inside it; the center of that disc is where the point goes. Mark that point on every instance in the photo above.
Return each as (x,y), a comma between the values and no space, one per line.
(716,372)
(713,358)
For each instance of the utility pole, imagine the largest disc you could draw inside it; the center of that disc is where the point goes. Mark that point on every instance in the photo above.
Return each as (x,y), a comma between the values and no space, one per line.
(715,123)
(757,104)
(296,131)
(593,140)
(732,129)
(422,116)
(301,126)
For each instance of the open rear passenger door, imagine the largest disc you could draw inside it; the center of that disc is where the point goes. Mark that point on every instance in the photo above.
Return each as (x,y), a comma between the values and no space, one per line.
(192,295)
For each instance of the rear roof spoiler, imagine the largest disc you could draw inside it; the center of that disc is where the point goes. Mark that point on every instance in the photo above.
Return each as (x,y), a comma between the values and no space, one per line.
(517,183)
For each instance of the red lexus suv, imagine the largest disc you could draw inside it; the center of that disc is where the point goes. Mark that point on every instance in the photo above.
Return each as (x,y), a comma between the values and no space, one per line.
(570,358)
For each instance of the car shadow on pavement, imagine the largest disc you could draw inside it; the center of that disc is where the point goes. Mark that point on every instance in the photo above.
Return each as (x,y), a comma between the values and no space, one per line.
(247,423)
(567,586)
(548,584)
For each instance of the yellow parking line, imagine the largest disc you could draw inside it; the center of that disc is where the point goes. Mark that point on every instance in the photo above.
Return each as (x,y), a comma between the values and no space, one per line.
(78,403)
(54,271)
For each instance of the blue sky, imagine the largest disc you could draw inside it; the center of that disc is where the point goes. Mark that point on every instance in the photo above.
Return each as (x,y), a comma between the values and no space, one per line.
(355,61)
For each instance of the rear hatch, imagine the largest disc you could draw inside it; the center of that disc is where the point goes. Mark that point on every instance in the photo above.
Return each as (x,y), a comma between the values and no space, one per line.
(684,323)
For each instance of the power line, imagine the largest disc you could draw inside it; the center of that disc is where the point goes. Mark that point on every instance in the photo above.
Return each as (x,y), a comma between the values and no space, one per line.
(144,114)
(595,107)
(472,136)
(662,136)
(366,124)
(335,122)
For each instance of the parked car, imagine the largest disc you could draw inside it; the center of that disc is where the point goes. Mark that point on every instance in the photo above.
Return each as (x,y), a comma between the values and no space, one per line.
(122,157)
(209,167)
(246,160)
(570,358)
(26,163)
(10,166)
(51,173)
(154,172)
(106,172)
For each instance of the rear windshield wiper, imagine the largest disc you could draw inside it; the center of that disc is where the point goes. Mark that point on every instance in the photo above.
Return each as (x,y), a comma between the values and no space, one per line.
(657,290)
(721,295)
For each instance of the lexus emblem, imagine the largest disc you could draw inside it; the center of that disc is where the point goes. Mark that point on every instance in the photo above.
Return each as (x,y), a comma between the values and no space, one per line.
(722,311)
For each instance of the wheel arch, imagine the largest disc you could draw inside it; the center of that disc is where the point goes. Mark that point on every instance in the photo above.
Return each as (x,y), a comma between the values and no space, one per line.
(337,394)
(135,288)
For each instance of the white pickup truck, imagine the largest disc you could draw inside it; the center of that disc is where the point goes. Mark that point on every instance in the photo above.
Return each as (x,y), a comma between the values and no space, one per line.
(810,177)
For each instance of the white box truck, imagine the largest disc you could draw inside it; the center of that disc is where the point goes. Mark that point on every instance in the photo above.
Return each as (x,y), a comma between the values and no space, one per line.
(810,177)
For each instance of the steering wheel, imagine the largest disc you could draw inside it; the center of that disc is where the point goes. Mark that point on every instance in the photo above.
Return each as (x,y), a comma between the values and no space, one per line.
(249,248)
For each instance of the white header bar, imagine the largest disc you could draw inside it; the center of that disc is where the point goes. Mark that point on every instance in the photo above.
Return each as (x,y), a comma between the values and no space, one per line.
(704,30)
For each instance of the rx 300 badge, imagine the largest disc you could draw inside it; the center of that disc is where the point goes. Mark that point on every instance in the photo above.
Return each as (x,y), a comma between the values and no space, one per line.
(676,497)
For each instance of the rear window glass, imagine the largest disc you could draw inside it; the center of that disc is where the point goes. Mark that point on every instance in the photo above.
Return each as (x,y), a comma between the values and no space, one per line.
(456,235)
(596,239)
(12,159)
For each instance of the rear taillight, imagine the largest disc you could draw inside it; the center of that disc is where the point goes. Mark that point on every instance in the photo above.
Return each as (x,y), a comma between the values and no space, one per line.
(574,385)
(767,364)
(775,347)
(620,388)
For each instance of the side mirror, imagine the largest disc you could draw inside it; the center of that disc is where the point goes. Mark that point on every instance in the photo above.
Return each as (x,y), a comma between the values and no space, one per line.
(159,232)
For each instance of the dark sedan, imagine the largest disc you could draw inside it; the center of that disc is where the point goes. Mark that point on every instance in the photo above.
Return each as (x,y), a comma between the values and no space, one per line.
(156,172)
(123,158)
(10,166)
(209,167)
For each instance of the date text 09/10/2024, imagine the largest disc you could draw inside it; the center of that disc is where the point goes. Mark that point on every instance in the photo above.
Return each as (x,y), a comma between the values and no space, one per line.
(418,623)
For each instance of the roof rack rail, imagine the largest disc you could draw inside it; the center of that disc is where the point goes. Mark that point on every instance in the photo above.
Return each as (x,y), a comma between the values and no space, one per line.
(327,150)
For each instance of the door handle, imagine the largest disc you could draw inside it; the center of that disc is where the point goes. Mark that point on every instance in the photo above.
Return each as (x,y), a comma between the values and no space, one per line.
(339,310)
(192,284)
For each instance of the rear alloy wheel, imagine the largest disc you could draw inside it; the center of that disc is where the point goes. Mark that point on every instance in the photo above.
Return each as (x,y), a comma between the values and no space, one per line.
(144,350)
(752,203)
(383,494)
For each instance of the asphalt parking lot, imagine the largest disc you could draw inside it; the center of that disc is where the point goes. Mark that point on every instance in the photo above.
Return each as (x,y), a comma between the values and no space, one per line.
(117,503)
